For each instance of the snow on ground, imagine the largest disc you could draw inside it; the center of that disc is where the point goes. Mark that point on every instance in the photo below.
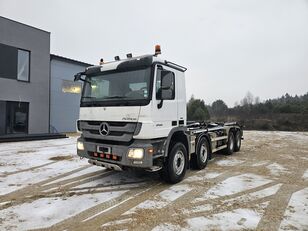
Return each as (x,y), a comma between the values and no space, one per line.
(90,169)
(229,162)
(48,211)
(277,169)
(20,180)
(296,214)
(237,219)
(236,200)
(19,159)
(305,175)
(163,199)
(168,227)
(260,163)
(26,163)
(114,179)
(269,191)
(234,185)
(118,222)
(202,177)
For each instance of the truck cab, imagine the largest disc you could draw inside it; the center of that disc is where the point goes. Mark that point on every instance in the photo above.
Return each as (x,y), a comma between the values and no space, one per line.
(133,114)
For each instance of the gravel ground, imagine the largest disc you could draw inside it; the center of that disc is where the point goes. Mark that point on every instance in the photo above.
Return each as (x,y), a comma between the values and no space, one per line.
(43,185)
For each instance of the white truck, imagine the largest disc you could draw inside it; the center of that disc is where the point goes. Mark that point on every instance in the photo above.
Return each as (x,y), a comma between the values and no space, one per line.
(133,115)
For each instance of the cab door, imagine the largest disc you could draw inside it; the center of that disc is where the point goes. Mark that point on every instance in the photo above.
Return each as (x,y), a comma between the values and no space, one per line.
(164,112)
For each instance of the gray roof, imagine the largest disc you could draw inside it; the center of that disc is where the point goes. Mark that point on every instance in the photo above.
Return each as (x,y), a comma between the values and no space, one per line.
(73,61)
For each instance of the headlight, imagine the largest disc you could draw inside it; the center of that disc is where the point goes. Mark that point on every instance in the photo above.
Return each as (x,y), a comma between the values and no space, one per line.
(135,153)
(80,145)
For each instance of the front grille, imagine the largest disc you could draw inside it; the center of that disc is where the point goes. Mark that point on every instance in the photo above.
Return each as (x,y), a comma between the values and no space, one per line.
(118,131)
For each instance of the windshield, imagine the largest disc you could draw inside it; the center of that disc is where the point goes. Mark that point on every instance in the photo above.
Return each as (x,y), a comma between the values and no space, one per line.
(116,88)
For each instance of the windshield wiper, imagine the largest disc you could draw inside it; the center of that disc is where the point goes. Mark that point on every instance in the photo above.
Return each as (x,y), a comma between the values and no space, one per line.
(115,97)
(88,97)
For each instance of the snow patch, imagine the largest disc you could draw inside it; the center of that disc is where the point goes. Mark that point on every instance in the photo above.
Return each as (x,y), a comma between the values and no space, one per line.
(199,208)
(207,176)
(162,199)
(277,169)
(229,162)
(234,220)
(20,180)
(234,185)
(305,175)
(168,227)
(296,214)
(45,212)
(175,192)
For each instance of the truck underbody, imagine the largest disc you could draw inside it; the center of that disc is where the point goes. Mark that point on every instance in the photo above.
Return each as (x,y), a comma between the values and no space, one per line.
(200,140)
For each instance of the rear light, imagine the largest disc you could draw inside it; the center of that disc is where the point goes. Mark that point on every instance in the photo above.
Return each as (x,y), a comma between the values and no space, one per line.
(107,156)
(95,154)
(102,155)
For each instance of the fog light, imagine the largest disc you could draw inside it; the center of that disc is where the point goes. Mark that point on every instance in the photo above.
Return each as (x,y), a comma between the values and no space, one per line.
(80,146)
(135,153)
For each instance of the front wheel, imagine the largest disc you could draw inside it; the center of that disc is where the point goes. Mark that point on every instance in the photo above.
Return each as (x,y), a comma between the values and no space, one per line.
(176,164)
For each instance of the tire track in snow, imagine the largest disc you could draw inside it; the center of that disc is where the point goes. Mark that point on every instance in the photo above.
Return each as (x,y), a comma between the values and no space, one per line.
(5,174)
(158,205)
(110,210)
(34,191)
(276,209)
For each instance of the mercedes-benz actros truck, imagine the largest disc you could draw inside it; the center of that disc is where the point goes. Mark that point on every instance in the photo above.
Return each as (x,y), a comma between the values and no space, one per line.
(133,115)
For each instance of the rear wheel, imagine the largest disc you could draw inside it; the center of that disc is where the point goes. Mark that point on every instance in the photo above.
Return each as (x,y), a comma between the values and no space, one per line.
(176,164)
(237,141)
(230,145)
(202,154)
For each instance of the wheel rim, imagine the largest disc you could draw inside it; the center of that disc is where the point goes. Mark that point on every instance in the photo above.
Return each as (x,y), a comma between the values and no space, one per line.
(203,153)
(231,143)
(178,162)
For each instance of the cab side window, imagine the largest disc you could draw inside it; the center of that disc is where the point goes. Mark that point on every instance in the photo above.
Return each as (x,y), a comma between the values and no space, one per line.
(165,84)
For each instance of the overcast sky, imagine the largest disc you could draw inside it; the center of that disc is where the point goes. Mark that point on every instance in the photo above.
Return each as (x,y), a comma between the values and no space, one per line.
(229,46)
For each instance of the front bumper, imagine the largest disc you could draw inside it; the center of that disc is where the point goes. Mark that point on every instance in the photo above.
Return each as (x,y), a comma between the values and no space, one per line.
(120,151)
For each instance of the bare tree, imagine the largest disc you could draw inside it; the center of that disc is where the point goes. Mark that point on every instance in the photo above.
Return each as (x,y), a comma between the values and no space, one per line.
(248,99)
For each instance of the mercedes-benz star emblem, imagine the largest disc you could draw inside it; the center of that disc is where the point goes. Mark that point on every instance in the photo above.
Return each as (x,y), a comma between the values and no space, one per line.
(104,129)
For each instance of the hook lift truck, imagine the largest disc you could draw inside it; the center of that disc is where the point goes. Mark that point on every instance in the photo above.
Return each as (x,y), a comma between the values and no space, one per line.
(133,115)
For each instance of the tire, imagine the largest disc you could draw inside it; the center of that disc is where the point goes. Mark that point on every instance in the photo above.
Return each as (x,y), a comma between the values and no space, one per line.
(230,145)
(176,164)
(202,154)
(237,141)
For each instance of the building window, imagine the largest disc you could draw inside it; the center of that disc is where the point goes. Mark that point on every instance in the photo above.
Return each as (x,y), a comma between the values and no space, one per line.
(14,117)
(71,87)
(23,65)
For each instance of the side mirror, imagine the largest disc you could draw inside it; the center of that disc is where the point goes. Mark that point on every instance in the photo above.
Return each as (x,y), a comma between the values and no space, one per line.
(77,77)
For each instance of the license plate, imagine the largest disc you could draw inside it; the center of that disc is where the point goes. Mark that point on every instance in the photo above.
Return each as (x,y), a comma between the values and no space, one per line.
(102,149)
